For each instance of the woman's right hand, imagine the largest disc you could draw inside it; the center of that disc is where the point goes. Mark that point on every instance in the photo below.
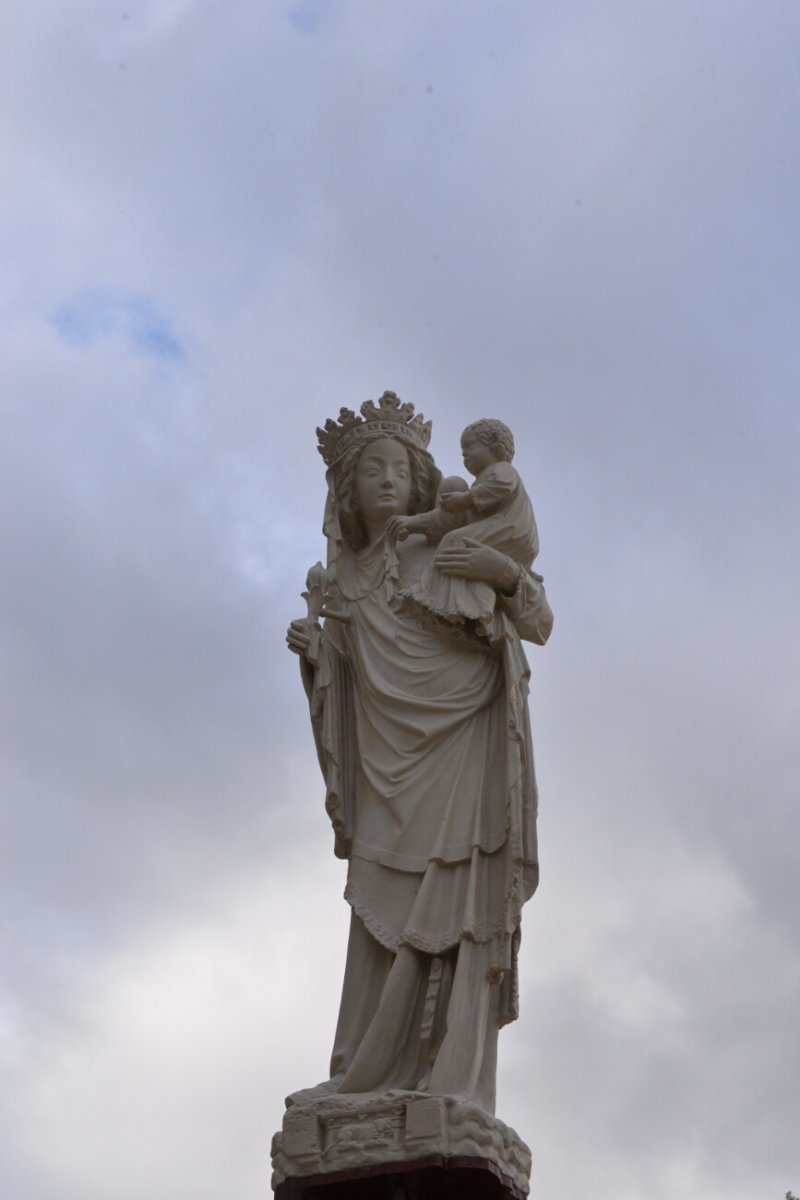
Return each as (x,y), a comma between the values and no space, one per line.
(299,636)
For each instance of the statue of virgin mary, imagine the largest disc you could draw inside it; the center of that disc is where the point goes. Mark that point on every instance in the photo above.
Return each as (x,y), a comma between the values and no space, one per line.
(423,737)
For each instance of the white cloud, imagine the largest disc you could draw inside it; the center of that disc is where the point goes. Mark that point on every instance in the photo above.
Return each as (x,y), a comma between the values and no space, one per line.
(582,219)
(196,1025)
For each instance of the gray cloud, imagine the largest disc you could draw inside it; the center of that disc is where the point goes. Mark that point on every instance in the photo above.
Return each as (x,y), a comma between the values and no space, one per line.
(227,223)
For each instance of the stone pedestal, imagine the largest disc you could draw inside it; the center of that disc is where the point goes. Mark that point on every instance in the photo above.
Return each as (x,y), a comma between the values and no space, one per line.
(401,1146)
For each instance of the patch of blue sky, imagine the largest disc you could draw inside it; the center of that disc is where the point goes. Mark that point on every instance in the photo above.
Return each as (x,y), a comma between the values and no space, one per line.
(307,16)
(96,315)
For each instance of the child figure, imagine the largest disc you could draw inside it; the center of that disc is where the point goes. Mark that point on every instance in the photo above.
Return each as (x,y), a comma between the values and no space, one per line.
(495,511)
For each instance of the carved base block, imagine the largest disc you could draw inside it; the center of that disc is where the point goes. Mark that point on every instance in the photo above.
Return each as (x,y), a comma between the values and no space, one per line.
(419,1145)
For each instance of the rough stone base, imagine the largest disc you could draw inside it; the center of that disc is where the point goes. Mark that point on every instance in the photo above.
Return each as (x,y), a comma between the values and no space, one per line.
(457,1179)
(364,1141)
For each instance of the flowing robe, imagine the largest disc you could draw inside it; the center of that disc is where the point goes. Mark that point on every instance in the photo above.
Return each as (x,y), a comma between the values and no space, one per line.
(424,741)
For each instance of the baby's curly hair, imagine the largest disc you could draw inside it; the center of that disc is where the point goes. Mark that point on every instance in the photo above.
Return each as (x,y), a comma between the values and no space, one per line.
(496,435)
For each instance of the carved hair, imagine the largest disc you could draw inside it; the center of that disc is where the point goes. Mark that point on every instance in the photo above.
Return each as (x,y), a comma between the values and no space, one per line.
(425,476)
(496,435)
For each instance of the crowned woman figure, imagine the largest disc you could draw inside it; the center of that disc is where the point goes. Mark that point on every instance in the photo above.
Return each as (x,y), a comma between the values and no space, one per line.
(423,738)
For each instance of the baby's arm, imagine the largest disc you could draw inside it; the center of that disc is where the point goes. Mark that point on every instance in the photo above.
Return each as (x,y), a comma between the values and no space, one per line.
(401,527)
(494,490)
(456,502)
(440,522)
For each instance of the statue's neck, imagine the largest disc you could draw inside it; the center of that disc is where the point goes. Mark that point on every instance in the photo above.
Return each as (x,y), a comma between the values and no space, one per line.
(375,534)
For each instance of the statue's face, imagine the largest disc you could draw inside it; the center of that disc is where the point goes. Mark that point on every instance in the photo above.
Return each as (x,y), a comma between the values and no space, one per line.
(476,454)
(383,481)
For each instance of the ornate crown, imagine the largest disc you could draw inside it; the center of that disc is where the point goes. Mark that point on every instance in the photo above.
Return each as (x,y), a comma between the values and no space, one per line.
(388,417)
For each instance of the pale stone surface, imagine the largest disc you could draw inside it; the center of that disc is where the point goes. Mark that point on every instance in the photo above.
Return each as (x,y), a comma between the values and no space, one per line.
(422,730)
(496,511)
(340,1133)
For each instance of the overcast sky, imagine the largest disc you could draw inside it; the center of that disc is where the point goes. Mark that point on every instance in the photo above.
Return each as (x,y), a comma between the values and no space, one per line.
(219,223)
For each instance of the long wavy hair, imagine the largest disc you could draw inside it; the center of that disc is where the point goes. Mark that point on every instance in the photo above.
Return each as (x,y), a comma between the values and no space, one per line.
(425,479)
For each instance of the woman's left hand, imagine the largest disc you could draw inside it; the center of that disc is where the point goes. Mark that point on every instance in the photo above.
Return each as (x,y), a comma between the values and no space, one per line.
(472,560)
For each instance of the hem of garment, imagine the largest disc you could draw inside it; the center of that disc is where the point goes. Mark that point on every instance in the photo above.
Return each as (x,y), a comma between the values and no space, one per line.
(392,941)
(418,865)
(476,628)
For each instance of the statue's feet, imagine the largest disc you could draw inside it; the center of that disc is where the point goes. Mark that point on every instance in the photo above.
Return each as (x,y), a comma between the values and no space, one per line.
(327,1088)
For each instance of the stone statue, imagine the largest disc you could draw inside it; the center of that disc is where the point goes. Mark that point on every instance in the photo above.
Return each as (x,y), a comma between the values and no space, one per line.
(496,511)
(421,724)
